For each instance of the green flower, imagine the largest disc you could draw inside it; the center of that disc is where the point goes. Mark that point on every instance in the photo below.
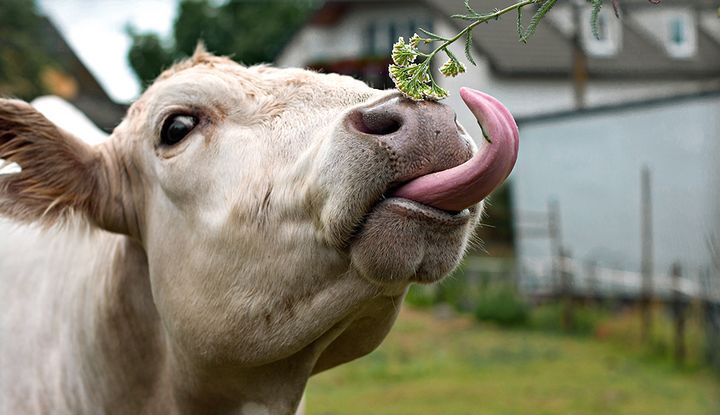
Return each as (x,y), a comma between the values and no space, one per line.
(416,83)
(434,92)
(402,53)
(410,80)
(452,67)
(415,41)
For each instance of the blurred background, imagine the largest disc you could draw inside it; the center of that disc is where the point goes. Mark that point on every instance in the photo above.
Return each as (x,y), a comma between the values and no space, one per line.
(594,283)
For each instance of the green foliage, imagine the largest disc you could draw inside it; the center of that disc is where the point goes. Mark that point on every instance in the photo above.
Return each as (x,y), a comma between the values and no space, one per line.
(454,291)
(548,317)
(622,331)
(147,56)
(248,31)
(430,366)
(22,55)
(594,15)
(501,305)
(421,296)
(415,79)
(537,17)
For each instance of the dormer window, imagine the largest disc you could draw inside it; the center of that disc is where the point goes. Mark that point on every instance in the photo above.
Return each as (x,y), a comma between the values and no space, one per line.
(380,35)
(609,30)
(680,34)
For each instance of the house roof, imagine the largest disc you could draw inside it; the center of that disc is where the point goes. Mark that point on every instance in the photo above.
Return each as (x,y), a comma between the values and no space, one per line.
(691,3)
(618,107)
(549,51)
(90,97)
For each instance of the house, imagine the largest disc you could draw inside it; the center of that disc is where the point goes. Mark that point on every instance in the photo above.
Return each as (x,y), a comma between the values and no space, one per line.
(587,167)
(63,74)
(592,112)
(653,51)
(89,96)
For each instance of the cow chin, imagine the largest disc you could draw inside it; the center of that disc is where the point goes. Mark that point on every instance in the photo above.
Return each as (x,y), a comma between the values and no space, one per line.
(404,241)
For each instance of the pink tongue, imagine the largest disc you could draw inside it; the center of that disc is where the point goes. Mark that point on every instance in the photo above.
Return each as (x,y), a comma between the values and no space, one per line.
(467,184)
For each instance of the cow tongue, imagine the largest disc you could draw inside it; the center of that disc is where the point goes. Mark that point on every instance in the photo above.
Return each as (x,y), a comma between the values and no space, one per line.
(467,184)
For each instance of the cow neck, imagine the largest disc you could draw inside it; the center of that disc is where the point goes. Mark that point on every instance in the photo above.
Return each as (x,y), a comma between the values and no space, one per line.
(116,342)
(128,364)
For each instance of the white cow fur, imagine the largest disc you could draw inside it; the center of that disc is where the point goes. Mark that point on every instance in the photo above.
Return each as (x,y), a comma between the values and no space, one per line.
(216,275)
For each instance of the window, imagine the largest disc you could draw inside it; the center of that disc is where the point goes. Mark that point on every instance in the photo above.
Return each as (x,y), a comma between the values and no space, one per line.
(609,29)
(392,35)
(382,34)
(602,28)
(680,38)
(370,41)
(677,31)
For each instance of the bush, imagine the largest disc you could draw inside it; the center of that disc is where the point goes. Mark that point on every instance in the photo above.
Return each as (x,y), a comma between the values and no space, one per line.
(454,291)
(548,317)
(421,296)
(503,306)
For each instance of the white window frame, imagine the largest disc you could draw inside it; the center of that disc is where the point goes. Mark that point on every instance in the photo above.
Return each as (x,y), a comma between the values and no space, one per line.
(608,46)
(688,47)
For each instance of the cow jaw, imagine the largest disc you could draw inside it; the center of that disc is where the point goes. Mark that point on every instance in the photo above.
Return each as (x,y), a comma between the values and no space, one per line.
(404,241)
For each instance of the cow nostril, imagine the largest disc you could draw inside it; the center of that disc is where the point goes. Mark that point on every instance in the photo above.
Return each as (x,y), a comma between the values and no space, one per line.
(375,122)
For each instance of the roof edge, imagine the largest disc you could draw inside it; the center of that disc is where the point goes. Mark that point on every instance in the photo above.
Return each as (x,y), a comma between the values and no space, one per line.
(608,108)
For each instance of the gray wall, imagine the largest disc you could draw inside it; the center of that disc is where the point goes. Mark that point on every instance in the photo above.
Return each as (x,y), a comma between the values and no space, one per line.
(591,162)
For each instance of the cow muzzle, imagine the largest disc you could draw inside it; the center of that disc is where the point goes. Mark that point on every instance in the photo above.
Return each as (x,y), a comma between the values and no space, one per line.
(431,155)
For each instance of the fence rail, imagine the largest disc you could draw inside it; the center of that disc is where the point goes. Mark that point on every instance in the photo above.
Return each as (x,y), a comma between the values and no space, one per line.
(536,277)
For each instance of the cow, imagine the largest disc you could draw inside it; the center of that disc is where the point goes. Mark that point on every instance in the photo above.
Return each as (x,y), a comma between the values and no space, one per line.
(242,229)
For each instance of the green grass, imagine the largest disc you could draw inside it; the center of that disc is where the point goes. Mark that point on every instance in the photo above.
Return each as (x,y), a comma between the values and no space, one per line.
(456,367)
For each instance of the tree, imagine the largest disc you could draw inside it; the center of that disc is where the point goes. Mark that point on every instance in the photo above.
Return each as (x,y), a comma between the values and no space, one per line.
(22,58)
(248,31)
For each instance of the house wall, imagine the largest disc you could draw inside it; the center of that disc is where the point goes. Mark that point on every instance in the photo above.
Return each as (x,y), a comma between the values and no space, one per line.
(523,96)
(348,39)
(591,162)
(709,23)
(528,97)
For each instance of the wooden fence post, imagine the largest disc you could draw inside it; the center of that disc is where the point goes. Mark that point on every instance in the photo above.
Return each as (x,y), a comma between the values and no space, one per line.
(567,291)
(556,246)
(646,294)
(711,320)
(679,306)
(594,291)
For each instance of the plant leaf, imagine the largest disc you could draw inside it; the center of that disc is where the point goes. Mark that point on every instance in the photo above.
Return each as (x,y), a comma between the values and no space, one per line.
(594,16)
(520,28)
(539,14)
(451,55)
(468,47)
(433,36)
(466,16)
(470,9)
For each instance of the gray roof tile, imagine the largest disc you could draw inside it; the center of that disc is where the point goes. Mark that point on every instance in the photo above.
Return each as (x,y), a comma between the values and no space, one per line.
(549,52)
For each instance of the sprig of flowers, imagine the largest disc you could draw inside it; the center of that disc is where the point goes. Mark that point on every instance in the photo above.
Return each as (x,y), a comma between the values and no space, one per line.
(411,71)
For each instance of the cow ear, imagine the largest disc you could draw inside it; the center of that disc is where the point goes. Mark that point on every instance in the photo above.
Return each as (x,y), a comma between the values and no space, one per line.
(59,174)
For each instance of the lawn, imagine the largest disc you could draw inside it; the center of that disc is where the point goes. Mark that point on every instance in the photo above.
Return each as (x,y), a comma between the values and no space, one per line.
(455,366)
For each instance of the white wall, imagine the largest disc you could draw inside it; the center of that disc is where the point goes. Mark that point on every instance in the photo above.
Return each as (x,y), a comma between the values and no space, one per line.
(347,38)
(655,23)
(591,164)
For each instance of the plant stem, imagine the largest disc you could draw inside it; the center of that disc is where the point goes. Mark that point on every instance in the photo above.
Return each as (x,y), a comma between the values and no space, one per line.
(482,19)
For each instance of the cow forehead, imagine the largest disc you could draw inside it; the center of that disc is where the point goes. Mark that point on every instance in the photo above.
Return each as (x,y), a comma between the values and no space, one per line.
(228,87)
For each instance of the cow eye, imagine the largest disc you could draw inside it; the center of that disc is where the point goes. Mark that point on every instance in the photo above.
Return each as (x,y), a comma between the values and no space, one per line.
(176,127)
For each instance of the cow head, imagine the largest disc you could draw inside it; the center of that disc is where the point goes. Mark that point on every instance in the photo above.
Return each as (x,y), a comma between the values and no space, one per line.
(283,212)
